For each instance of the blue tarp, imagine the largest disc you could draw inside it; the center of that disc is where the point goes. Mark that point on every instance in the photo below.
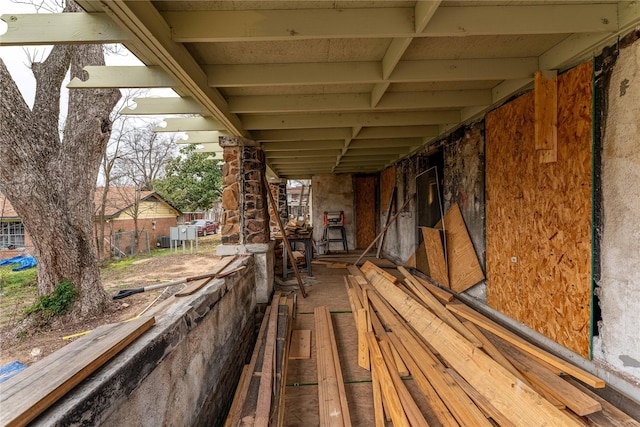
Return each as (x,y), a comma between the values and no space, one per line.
(10,369)
(25,262)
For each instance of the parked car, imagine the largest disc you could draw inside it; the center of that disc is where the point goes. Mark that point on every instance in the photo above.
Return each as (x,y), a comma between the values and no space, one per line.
(205,227)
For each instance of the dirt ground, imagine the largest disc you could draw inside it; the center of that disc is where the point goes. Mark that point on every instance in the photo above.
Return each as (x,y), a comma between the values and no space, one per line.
(29,346)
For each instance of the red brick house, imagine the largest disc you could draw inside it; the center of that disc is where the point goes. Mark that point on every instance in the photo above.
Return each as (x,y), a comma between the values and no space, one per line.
(123,207)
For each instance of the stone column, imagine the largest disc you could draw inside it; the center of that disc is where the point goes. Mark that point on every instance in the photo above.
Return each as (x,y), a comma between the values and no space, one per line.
(245,221)
(278,187)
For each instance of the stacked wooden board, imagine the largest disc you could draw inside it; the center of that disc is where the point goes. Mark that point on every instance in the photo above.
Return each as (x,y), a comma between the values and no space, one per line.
(470,370)
(259,397)
(28,394)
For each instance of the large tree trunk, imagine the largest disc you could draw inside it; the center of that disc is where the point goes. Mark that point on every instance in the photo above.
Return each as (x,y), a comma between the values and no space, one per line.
(51,182)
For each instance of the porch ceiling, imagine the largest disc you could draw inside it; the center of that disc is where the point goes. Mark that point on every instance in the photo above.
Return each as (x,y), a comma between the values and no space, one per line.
(339,86)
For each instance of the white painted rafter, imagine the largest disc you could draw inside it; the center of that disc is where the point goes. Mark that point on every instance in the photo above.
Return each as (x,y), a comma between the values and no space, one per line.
(151,40)
(369,72)
(164,106)
(124,77)
(301,121)
(190,124)
(60,28)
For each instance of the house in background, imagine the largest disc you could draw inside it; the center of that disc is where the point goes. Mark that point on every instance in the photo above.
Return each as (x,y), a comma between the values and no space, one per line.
(127,205)
(123,208)
(14,240)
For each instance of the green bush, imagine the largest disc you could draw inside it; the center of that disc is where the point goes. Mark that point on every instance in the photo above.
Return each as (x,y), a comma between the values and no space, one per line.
(56,304)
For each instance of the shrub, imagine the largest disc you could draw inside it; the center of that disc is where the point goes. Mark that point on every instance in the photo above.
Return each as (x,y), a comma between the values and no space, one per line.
(56,304)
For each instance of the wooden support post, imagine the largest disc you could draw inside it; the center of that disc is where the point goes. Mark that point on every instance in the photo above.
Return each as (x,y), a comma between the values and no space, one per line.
(289,250)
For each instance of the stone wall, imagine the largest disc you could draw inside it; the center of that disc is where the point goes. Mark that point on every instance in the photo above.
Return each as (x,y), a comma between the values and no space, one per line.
(244,199)
(278,188)
(182,372)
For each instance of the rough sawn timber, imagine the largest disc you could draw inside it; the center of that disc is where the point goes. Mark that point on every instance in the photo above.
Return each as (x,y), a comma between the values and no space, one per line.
(515,400)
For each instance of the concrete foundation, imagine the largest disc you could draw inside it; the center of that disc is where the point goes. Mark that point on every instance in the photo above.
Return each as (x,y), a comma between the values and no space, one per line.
(263,256)
(182,372)
(618,344)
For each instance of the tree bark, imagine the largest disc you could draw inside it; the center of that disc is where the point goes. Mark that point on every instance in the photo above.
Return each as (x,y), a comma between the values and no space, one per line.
(51,181)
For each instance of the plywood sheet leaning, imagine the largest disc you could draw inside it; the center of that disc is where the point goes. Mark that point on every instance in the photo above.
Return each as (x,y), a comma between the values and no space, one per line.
(435,255)
(29,393)
(462,260)
(538,215)
(365,210)
(517,402)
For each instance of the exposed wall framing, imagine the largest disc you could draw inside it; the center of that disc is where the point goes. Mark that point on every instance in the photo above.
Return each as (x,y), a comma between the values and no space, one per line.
(539,215)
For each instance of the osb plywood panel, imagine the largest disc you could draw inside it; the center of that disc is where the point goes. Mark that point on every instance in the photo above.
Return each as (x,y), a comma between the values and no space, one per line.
(387,182)
(539,216)
(462,260)
(435,255)
(365,210)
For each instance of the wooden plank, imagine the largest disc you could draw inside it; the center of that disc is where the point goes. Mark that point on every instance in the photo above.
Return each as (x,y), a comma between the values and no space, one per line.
(367,266)
(363,348)
(493,351)
(333,408)
(196,286)
(389,392)
(491,326)
(483,403)
(437,308)
(463,264)
(440,410)
(573,398)
(435,255)
(300,344)
(422,359)
(378,410)
(387,216)
(263,407)
(441,294)
(414,415)
(338,265)
(546,115)
(233,417)
(421,260)
(516,401)
(294,266)
(610,416)
(283,340)
(26,395)
(401,368)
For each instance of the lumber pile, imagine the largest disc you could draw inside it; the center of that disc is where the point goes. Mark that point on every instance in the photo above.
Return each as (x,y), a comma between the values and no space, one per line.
(259,397)
(469,370)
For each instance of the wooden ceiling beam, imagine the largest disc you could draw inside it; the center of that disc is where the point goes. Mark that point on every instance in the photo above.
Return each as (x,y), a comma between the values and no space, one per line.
(273,135)
(331,120)
(164,106)
(124,76)
(60,28)
(357,101)
(190,124)
(303,145)
(398,23)
(235,75)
